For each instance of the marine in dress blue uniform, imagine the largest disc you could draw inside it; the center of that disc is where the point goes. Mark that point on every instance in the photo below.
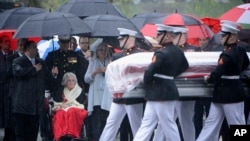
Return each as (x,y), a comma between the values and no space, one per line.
(65,61)
(229,94)
(161,90)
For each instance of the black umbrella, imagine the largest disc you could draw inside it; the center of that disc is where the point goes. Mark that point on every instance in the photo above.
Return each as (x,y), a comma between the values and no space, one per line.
(85,8)
(147,18)
(11,19)
(106,25)
(49,24)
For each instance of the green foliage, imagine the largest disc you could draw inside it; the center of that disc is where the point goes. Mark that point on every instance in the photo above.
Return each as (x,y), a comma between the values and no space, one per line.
(199,8)
(52,5)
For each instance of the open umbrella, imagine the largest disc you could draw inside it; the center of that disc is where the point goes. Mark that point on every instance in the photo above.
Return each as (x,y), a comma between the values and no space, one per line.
(46,46)
(49,24)
(212,23)
(13,42)
(11,19)
(147,18)
(196,28)
(85,8)
(149,30)
(106,25)
(9,33)
(239,14)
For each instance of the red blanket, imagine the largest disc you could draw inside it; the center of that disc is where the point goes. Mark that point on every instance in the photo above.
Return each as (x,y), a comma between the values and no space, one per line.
(68,122)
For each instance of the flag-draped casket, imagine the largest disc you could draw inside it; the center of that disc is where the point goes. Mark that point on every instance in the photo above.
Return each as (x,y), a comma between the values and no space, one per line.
(125,75)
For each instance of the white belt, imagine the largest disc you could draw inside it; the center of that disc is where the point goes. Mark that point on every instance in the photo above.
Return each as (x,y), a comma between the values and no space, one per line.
(230,77)
(163,76)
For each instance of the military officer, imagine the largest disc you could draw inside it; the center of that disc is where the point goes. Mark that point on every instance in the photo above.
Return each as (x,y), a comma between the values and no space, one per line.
(229,94)
(63,60)
(161,90)
(133,107)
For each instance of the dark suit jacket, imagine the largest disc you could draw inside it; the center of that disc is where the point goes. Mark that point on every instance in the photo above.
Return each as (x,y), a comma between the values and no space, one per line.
(30,86)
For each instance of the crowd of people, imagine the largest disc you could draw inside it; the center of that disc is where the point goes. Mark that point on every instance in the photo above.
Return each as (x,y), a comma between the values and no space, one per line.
(72,82)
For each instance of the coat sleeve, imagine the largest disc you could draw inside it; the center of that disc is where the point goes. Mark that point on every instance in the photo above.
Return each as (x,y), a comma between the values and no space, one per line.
(80,71)
(183,67)
(151,70)
(88,76)
(245,59)
(223,63)
(22,70)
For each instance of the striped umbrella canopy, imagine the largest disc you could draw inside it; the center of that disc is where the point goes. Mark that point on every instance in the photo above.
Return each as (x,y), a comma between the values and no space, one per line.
(239,14)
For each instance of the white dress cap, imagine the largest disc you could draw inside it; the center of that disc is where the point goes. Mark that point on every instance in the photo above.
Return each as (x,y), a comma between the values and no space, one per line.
(162,27)
(126,32)
(64,37)
(180,30)
(229,26)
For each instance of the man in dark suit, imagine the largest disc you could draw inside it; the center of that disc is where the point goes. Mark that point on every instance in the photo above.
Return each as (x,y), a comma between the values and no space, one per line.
(12,84)
(32,79)
(4,86)
(85,54)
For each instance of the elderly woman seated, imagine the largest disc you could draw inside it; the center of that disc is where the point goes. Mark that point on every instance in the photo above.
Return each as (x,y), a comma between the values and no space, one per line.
(69,114)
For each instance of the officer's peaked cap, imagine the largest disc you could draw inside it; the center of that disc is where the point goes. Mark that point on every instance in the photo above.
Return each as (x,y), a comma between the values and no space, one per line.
(229,27)
(180,30)
(162,27)
(126,32)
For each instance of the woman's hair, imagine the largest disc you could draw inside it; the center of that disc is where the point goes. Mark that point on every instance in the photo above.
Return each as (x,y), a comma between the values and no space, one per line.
(66,76)
(106,50)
